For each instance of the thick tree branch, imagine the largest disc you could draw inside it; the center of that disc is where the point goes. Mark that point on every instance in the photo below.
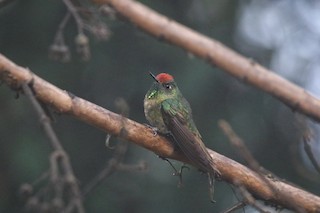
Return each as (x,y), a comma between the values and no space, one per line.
(218,55)
(141,135)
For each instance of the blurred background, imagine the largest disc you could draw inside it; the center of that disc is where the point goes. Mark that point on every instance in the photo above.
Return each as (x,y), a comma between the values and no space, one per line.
(282,35)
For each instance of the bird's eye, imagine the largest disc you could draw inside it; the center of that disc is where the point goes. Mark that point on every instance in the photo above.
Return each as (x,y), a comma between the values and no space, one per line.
(168,86)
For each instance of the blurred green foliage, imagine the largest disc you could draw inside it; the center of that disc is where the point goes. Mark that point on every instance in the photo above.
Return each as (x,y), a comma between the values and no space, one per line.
(119,68)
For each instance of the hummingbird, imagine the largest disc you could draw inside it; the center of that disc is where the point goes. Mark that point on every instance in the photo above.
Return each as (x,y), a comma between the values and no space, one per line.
(170,113)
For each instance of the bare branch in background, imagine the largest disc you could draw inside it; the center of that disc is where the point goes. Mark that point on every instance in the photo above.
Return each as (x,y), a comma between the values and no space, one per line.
(239,146)
(86,20)
(62,184)
(59,51)
(253,164)
(308,150)
(235,207)
(250,200)
(307,134)
(116,162)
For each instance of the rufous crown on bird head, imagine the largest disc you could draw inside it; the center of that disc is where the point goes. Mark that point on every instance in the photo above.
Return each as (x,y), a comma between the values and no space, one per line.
(164,78)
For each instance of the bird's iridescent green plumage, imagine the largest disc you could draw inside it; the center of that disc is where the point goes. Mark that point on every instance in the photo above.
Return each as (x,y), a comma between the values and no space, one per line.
(166,109)
(169,97)
(180,108)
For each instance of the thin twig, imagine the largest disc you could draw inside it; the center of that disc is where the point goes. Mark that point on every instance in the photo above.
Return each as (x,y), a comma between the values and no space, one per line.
(115,163)
(110,168)
(59,34)
(58,149)
(249,199)
(308,150)
(76,16)
(238,144)
(141,166)
(235,207)
(44,119)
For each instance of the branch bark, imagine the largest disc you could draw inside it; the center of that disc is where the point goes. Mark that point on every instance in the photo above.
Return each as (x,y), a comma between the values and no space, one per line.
(284,194)
(218,55)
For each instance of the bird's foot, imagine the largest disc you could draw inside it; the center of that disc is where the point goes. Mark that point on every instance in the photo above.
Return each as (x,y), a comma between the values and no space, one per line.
(176,172)
(179,174)
(154,130)
(211,187)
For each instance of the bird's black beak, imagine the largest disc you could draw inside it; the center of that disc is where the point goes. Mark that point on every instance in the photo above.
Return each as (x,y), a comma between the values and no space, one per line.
(153,76)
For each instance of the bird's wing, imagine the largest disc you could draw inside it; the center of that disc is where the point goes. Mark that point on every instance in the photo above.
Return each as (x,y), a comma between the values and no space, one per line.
(177,119)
